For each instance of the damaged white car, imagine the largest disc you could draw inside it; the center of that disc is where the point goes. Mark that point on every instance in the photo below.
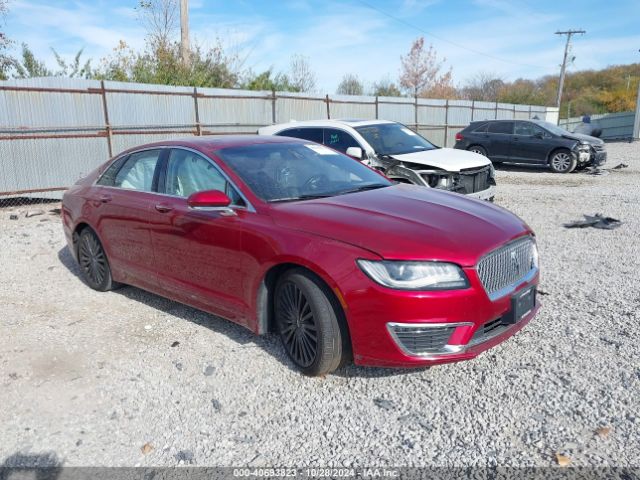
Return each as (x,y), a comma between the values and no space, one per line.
(400,153)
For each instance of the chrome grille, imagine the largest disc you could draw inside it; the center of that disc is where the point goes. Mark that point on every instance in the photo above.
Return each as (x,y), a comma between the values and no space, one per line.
(506,266)
(421,340)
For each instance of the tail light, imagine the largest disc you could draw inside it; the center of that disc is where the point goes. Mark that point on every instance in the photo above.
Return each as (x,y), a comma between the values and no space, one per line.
(459,137)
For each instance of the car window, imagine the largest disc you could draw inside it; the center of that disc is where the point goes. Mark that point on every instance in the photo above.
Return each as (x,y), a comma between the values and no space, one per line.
(138,171)
(393,139)
(188,172)
(339,140)
(296,171)
(481,128)
(501,127)
(108,178)
(528,129)
(312,134)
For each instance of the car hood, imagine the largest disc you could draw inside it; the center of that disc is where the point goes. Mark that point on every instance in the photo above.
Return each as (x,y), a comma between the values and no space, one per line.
(584,138)
(406,222)
(449,159)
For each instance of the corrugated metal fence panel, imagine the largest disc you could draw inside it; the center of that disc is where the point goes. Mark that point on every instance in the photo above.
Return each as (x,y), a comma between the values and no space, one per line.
(614,125)
(144,109)
(521,112)
(46,109)
(124,142)
(505,111)
(352,107)
(299,107)
(537,111)
(432,112)
(434,134)
(48,163)
(243,108)
(397,109)
(484,111)
(459,112)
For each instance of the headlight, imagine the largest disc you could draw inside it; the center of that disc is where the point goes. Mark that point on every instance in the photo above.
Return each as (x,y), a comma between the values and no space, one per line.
(415,275)
(534,255)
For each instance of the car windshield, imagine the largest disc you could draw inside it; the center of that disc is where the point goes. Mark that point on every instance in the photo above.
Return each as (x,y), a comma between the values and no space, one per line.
(393,139)
(278,172)
(556,130)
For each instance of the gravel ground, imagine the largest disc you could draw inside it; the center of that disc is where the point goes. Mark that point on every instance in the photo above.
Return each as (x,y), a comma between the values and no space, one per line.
(90,378)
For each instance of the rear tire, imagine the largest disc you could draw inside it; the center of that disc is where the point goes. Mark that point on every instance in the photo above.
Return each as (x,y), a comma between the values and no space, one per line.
(477,149)
(308,323)
(94,266)
(562,161)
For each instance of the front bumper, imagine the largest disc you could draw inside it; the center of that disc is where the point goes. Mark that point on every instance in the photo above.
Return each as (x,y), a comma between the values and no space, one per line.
(372,310)
(487,194)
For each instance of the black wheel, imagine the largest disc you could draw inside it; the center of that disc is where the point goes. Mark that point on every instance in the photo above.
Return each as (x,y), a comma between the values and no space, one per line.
(93,262)
(562,161)
(477,149)
(308,323)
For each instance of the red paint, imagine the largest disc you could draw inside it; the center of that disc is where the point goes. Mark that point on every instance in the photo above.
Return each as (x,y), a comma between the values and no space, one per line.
(218,262)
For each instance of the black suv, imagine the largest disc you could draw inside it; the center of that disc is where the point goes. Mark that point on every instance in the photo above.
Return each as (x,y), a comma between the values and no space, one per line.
(532,142)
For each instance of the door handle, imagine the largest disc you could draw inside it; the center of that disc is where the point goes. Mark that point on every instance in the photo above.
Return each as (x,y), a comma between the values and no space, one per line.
(105,198)
(163,208)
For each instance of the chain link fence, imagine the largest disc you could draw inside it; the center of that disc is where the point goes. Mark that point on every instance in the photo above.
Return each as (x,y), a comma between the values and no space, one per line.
(55,130)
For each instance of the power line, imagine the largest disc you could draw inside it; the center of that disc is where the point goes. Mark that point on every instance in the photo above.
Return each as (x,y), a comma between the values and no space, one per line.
(563,69)
(463,47)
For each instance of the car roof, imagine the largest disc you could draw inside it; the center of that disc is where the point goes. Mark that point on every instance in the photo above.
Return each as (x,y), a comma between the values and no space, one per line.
(328,123)
(209,143)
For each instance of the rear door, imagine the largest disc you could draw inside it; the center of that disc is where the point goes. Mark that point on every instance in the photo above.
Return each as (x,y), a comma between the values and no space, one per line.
(499,136)
(530,143)
(198,252)
(339,140)
(124,198)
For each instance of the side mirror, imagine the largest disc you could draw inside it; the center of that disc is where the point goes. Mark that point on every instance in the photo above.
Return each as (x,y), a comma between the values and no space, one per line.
(209,199)
(355,152)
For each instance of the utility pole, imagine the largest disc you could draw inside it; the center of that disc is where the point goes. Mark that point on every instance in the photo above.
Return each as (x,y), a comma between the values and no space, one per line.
(184,31)
(568,33)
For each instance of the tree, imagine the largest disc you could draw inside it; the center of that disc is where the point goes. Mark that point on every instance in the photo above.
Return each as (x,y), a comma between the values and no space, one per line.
(73,70)
(350,85)
(267,80)
(385,88)
(6,61)
(420,72)
(30,66)
(303,79)
(160,18)
(483,87)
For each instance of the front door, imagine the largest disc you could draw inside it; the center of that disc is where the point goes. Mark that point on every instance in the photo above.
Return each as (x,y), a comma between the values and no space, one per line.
(197,252)
(530,143)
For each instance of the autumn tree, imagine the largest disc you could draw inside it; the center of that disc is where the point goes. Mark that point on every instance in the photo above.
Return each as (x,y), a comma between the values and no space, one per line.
(385,88)
(160,18)
(421,74)
(6,61)
(484,87)
(301,76)
(350,85)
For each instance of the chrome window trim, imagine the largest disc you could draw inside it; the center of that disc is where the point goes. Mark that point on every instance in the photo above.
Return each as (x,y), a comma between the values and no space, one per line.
(248,207)
(446,349)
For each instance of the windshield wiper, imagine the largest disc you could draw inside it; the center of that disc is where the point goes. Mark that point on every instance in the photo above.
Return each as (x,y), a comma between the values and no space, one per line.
(363,188)
(302,197)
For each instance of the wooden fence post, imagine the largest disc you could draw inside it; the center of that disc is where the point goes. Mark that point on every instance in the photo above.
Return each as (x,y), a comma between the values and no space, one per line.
(107,125)
(197,111)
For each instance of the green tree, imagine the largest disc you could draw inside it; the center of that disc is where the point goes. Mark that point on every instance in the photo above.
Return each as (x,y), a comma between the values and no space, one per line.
(385,88)
(350,85)
(30,66)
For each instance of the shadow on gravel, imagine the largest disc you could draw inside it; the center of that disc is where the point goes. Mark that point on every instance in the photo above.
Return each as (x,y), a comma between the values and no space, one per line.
(243,337)
(511,167)
(41,466)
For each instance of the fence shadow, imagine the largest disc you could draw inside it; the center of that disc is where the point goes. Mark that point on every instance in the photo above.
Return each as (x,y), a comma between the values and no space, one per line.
(244,338)
(43,466)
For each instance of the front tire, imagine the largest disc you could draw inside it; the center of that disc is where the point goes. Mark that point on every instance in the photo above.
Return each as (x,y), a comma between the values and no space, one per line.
(562,161)
(94,266)
(308,323)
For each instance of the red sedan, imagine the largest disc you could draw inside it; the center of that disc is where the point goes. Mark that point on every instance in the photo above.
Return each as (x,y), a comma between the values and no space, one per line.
(282,235)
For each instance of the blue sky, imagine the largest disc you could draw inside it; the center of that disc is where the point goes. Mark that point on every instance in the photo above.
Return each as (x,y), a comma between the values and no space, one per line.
(509,38)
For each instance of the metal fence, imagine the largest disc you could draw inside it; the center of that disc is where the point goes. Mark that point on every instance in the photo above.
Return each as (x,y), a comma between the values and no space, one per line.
(615,126)
(55,130)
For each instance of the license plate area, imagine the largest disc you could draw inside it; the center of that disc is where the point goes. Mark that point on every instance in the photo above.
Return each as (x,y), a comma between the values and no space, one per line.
(522,303)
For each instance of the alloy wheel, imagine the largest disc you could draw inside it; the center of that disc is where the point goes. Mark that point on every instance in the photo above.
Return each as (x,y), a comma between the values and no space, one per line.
(297,325)
(92,259)
(561,161)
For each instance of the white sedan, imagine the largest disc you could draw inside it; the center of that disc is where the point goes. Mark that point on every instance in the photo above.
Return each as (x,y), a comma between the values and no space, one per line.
(400,153)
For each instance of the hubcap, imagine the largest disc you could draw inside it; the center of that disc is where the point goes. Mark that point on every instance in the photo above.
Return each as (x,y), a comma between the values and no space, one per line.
(297,325)
(561,161)
(92,259)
